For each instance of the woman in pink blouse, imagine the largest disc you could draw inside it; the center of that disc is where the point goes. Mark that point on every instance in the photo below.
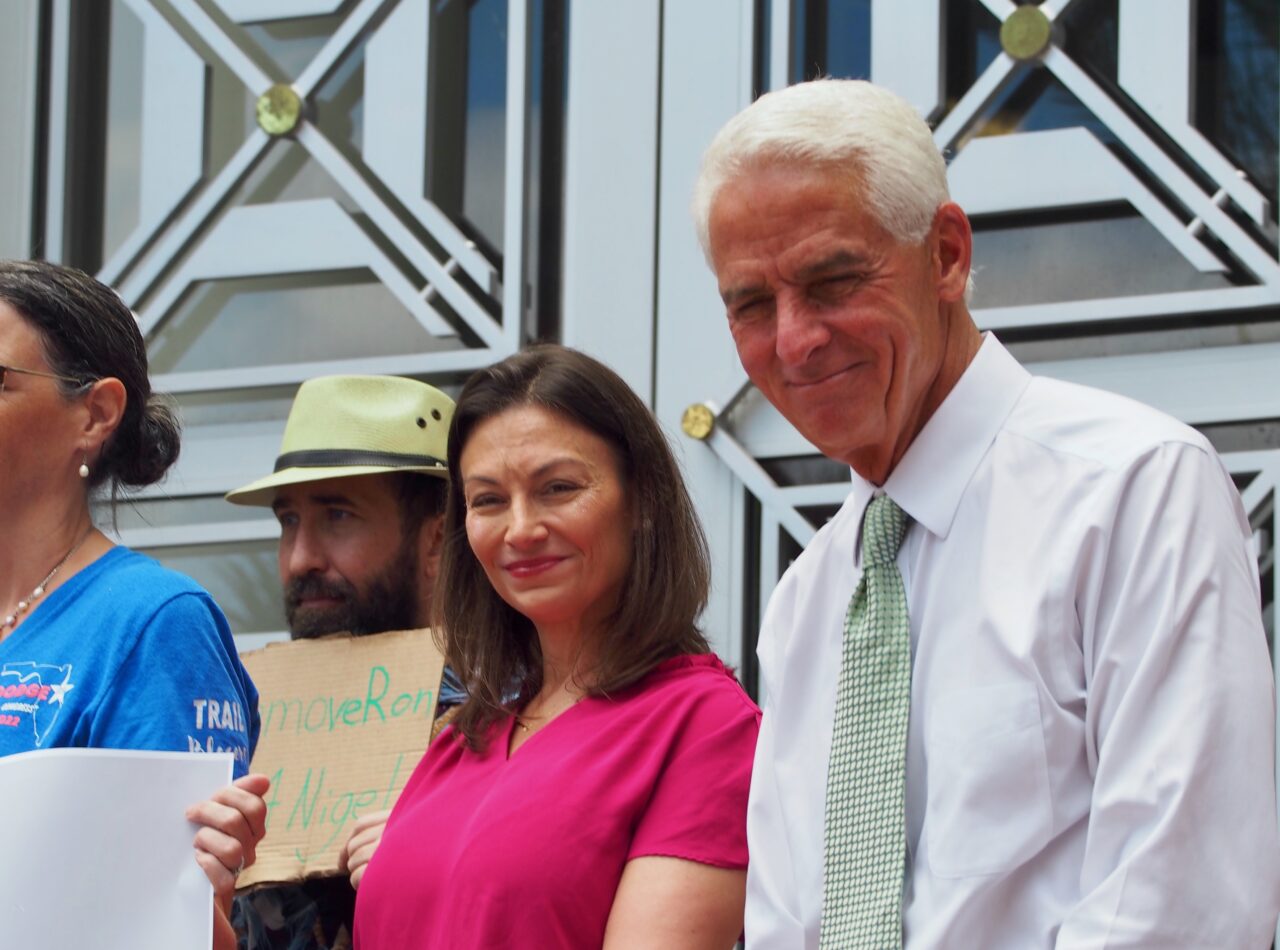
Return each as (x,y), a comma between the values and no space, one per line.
(592,791)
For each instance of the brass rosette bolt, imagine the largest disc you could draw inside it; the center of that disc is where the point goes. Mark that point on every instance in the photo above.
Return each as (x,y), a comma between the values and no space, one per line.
(279,110)
(698,421)
(1026,33)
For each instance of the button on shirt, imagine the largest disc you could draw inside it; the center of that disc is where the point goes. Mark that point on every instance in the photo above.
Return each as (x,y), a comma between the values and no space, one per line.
(1090,759)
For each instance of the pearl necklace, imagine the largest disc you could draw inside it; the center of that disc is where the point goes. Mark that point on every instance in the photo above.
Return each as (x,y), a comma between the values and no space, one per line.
(11,621)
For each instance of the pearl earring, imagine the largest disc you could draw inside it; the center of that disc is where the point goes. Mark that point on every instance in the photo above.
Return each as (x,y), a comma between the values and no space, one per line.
(84,467)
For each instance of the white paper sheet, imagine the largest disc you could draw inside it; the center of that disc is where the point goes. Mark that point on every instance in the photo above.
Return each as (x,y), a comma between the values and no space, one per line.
(96,852)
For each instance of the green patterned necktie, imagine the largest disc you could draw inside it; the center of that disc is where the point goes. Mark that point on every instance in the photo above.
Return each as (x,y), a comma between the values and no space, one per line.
(866,842)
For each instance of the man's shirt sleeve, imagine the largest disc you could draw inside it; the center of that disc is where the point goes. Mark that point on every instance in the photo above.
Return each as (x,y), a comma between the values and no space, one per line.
(1182,847)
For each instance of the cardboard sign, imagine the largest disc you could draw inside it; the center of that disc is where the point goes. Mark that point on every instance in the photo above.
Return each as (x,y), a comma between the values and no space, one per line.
(344,722)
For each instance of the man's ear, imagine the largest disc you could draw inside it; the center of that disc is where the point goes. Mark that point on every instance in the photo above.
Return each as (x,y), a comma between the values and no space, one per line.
(104,408)
(953,251)
(430,541)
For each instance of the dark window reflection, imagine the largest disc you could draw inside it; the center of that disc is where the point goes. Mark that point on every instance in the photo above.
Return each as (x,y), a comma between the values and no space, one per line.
(548,84)
(763,25)
(1090,34)
(1238,85)
(972,42)
(831,38)
(466,114)
(486,107)
(466,132)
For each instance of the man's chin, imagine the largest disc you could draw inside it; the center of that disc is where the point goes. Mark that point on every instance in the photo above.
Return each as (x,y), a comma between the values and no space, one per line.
(307,624)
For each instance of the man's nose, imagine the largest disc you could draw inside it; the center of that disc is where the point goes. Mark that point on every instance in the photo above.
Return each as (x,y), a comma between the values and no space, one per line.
(304,553)
(799,331)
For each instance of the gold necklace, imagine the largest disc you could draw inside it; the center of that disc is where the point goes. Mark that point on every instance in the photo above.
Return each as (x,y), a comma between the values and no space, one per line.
(11,620)
(524,721)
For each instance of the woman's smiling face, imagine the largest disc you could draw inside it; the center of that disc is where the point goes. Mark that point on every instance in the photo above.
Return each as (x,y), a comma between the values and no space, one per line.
(547,516)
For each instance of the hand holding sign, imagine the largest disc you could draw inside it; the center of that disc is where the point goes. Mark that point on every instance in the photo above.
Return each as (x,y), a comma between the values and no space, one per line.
(366,833)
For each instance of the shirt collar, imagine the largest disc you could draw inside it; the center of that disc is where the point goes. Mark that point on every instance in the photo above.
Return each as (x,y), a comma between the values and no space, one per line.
(931,477)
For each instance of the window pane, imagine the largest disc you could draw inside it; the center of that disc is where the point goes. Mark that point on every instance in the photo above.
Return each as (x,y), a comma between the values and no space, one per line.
(1238,102)
(288,319)
(241,577)
(466,115)
(486,136)
(831,38)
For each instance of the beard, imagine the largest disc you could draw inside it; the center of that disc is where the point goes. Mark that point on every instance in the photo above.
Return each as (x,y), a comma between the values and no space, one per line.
(388,602)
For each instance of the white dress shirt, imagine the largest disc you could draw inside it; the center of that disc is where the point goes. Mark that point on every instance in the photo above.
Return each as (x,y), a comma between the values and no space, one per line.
(1090,760)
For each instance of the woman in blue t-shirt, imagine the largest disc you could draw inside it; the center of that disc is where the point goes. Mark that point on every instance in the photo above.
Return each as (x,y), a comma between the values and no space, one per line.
(100,646)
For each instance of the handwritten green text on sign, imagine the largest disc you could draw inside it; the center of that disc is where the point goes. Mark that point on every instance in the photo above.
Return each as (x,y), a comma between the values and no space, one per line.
(344,722)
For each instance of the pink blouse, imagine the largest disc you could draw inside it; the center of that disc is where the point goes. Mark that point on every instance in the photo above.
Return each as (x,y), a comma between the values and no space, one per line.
(486,851)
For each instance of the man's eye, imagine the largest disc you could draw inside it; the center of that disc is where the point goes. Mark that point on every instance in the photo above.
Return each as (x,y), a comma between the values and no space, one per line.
(287,519)
(339,514)
(835,286)
(750,310)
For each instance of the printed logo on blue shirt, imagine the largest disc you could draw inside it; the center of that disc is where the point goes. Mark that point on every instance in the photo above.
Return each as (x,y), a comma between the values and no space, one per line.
(34,690)
(227,717)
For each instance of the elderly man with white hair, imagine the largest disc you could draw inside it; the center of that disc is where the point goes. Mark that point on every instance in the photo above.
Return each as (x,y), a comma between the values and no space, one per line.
(1018,689)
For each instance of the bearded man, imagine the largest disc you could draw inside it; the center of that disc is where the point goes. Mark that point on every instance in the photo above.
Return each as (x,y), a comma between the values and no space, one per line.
(358,489)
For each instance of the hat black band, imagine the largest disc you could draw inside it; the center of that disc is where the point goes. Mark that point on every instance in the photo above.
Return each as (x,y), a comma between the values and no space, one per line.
(330,458)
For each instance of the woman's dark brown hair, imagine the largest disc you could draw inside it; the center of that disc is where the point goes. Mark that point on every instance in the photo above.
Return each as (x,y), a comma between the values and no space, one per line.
(494,648)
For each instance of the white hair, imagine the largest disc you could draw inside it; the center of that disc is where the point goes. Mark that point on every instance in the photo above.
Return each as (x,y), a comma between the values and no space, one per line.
(865,132)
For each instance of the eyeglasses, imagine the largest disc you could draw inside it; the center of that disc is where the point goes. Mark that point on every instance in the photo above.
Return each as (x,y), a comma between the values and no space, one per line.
(6,370)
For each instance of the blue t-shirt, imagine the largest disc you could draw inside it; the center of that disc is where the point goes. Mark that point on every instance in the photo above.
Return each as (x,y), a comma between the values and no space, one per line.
(126,655)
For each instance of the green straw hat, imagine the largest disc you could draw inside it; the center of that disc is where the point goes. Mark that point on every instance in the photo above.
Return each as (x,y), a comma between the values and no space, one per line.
(357,425)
